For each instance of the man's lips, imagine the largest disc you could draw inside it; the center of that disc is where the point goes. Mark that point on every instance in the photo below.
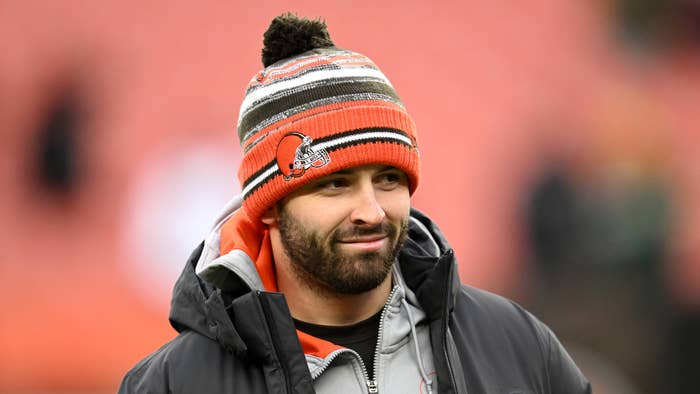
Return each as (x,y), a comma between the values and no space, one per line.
(363,238)
(366,243)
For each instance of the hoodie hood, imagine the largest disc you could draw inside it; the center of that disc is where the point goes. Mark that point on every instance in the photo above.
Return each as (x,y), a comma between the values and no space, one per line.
(237,250)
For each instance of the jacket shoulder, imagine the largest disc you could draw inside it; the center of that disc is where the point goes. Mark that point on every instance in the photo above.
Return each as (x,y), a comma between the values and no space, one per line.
(188,363)
(489,317)
(509,337)
(493,308)
(153,373)
(149,375)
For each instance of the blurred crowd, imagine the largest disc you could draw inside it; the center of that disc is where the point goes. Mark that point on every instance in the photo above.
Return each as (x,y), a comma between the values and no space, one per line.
(606,214)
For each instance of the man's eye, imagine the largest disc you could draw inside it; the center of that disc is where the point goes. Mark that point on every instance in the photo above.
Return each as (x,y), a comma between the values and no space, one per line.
(390,179)
(332,184)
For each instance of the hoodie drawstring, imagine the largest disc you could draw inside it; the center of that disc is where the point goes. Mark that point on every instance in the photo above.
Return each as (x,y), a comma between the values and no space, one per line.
(424,375)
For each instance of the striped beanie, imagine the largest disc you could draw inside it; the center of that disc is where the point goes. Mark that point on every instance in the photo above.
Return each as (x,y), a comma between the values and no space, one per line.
(313,110)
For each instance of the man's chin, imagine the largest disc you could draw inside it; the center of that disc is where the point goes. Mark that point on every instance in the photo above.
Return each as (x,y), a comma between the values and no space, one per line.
(365,256)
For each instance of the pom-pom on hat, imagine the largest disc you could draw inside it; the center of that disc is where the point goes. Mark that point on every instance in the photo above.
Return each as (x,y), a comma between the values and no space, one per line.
(315,109)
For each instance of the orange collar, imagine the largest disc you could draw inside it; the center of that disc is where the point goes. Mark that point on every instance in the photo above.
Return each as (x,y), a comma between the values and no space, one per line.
(253,238)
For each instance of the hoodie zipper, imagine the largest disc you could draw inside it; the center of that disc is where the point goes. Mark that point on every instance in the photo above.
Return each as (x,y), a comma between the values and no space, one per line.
(372,386)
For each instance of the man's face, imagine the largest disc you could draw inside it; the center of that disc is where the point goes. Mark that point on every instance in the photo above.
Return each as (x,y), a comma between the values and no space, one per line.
(342,232)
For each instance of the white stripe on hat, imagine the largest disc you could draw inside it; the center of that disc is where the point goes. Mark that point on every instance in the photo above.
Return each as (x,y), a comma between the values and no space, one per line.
(296,62)
(259,179)
(319,75)
(371,135)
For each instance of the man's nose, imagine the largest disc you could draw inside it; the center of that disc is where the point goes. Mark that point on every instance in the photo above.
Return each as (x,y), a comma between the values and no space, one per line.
(367,209)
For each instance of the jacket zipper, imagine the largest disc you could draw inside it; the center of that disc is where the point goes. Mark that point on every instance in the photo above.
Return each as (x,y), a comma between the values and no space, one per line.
(268,315)
(445,329)
(450,370)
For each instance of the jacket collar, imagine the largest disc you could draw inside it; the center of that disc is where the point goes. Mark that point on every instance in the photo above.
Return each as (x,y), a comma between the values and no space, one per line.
(235,259)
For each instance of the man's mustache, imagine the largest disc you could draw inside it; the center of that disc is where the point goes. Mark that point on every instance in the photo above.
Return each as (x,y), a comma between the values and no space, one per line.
(384,229)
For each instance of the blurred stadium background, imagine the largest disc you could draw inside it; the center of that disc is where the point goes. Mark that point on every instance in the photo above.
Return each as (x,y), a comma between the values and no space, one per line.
(559,145)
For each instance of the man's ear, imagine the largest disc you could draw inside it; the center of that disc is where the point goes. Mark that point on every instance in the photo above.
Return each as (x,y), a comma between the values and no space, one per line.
(270,216)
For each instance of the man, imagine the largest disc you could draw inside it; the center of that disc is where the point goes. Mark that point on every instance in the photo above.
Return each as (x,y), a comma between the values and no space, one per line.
(320,277)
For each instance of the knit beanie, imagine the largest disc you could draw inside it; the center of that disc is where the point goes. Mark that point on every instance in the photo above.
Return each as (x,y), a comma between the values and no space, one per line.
(315,109)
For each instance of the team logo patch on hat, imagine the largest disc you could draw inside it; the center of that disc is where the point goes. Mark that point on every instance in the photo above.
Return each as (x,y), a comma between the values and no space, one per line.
(295,155)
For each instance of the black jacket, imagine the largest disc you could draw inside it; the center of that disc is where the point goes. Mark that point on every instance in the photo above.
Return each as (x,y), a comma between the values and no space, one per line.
(244,341)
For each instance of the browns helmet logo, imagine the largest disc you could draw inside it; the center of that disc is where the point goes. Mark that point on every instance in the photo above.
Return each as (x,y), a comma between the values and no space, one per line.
(295,155)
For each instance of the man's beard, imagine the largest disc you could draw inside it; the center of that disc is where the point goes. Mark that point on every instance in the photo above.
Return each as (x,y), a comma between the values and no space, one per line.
(321,265)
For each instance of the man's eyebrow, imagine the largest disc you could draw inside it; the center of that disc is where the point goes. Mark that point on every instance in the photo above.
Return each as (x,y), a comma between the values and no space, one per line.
(347,171)
(387,168)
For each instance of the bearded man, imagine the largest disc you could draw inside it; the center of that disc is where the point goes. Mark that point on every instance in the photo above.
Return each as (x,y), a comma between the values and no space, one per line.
(320,277)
